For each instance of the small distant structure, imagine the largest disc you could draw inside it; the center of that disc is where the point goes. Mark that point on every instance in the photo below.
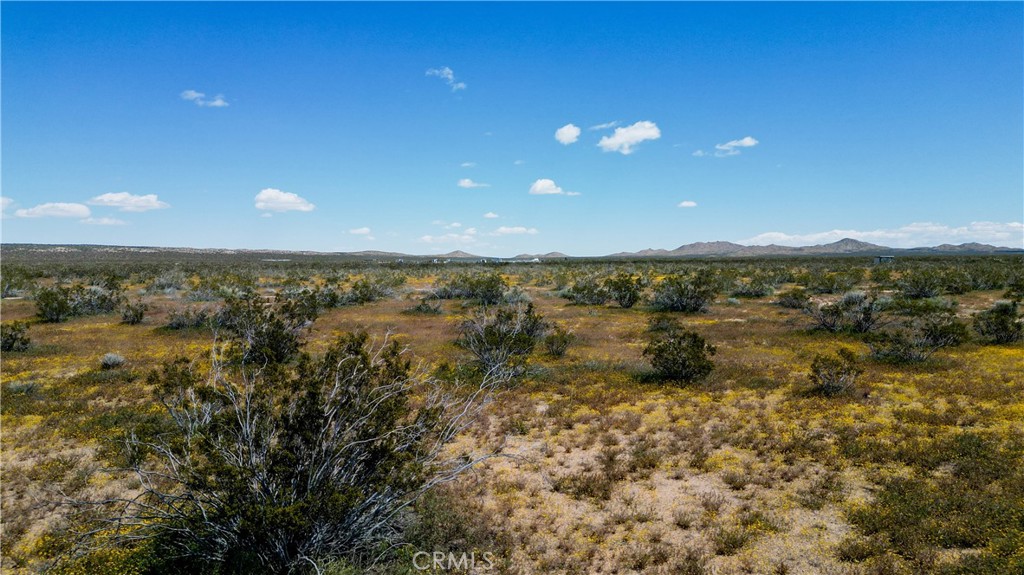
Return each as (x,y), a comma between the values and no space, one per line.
(884,259)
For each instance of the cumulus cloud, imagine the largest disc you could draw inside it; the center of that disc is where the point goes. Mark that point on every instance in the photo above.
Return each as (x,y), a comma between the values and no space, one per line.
(917,234)
(5,203)
(55,210)
(200,99)
(468,164)
(605,126)
(546,187)
(126,202)
(490,215)
(446,74)
(103,221)
(514,230)
(468,183)
(567,134)
(364,231)
(687,204)
(623,140)
(700,153)
(734,147)
(453,226)
(274,200)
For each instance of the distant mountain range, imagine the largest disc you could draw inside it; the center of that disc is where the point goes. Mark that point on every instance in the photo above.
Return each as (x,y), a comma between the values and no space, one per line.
(846,246)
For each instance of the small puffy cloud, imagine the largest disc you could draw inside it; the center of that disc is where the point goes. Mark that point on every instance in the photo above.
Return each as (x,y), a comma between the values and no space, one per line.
(514,231)
(687,204)
(918,234)
(623,140)
(446,74)
(733,148)
(490,215)
(364,231)
(468,164)
(453,226)
(700,153)
(468,183)
(274,200)
(103,221)
(545,186)
(126,202)
(200,99)
(567,134)
(55,210)
(5,203)
(605,126)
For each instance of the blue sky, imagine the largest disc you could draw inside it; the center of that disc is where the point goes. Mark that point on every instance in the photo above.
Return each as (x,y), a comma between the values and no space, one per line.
(409,126)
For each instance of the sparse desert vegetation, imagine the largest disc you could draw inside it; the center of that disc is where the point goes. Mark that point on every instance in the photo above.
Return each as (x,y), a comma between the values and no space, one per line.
(222,414)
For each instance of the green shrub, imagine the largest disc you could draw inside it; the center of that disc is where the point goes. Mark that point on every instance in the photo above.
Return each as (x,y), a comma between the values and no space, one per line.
(188,318)
(796,298)
(14,336)
(487,289)
(558,341)
(685,294)
(680,355)
(624,289)
(111,361)
(54,304)
(836,374)
(133,312)
(1000,324)
(501,340)
(586,291)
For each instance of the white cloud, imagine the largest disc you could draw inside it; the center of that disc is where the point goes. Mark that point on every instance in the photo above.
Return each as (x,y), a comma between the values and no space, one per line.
(624,139)
(490,215)
(5,203)
(605,126)
(468,164)
(544,187)
(567,134)
(700,153)
(917,234)
(55,210)
(687,204)
(453,225)
(103,221)
(733,148)
(514,230)
(200,99)
(364,231)
(446,74)
(126,202)
(273,200)
(468,183)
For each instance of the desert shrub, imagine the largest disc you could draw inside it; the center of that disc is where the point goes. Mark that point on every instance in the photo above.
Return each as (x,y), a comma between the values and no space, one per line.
(14,336)
(486,289)
(826,317)
(111,361)
(861,312)
(758,285)
(13,280)
(586,291)
(557,342)
(291,469)
(624,289)
(834,374)
(795,298)
(680,355)
(133,312)
(169,280)
(500,340)
(956,281)
(424,307)
(515,295)
(836,282)
(920,283)
(365,290)
(261,333)
(1015,288)
(54,304)
(685,294)
(188,318)
(1000,324)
